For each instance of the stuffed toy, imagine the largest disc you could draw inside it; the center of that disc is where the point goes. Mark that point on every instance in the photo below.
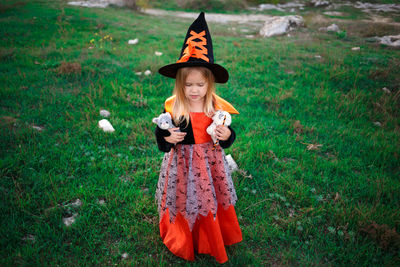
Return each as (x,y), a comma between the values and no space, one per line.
(164,121)
(220,118)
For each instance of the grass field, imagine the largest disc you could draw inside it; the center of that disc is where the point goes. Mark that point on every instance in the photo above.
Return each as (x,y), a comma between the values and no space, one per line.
(318,140)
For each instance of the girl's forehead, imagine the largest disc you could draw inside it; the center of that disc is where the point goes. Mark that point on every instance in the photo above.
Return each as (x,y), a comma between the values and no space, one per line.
(195,75)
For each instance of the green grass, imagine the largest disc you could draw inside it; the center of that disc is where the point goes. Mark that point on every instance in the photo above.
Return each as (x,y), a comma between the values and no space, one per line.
(296,206)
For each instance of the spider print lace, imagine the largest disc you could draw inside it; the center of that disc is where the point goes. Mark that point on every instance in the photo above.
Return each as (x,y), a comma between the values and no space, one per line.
(193,180)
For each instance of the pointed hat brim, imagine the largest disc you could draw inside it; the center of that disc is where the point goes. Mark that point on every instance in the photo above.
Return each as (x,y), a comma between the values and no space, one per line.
(220,73)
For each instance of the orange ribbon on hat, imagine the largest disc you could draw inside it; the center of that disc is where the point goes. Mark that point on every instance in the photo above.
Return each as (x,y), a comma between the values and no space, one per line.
(191,51)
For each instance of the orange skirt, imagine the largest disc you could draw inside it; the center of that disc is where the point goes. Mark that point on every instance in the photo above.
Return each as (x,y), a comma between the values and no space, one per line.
(209,235)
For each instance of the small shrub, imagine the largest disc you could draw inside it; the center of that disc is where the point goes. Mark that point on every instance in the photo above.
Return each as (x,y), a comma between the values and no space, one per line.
(69,67)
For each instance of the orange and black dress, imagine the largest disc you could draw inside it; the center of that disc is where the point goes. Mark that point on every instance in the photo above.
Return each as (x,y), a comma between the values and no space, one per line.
(195,193)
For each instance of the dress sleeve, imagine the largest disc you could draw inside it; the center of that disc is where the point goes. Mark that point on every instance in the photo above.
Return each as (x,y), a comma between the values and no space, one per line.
(229,142)
(163,145)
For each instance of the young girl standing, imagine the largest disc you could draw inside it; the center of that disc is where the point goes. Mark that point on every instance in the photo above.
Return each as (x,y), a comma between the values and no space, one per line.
(195,192)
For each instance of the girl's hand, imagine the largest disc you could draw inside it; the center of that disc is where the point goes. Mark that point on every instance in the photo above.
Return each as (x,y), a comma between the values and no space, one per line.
(175,137)
(222,132)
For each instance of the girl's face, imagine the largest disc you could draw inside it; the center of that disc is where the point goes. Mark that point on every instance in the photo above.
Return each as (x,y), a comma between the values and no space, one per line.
(195,87)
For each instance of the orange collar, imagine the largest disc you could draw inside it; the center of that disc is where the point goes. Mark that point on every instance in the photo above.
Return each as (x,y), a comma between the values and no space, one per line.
(220,104)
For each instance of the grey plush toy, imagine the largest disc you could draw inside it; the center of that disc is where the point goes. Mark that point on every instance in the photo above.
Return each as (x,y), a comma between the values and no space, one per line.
(164,121)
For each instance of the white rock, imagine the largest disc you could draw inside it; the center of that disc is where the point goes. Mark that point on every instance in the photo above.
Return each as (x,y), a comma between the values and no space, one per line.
(390,40)
(147,72)
(92,3)
(367,7)
(102,202)
(333,28)
(333,13)
(281,7)
(68,221)
(158,53)
(29,237)
(280,25)
(105,113)
(39,128)
(77,203)
(134,41)
(138,73)
(106,126)
(355,48)
(317,56)
(269,6)
(377,123)
(231,163)
(387,91)
(320,3)
(125,255)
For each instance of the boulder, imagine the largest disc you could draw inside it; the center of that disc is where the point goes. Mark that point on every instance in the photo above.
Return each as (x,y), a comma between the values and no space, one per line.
(281,25)
(333,28)
(390,40)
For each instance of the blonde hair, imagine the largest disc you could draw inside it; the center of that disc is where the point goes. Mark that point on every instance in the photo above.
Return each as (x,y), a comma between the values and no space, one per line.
(181,107)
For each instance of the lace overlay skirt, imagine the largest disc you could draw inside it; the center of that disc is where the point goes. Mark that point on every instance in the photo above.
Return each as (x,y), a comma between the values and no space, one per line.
(194,180)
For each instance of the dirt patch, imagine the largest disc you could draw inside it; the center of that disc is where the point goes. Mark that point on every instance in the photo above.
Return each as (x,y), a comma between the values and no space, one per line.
(374,26)
(385,237)
(69,68)
(210,17)
(6,7)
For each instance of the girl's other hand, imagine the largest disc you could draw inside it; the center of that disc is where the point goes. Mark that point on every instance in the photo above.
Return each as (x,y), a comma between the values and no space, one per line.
(222,132)
(175,136)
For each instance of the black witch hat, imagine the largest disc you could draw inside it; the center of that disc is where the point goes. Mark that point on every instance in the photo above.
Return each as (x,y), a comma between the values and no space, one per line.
(196,51)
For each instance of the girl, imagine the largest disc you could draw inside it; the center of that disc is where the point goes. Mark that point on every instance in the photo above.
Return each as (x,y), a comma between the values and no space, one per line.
(195,192)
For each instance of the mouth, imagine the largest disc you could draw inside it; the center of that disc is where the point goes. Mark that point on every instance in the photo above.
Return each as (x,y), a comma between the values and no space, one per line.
(194,96)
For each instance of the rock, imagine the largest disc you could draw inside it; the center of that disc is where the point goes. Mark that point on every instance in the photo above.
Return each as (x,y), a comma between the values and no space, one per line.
(333,13)
(231,163)
(106,126)
(280,25)
(92,3)
(102,201)
(390,40)
(317,56)
(157,53)
(269,7)
(134,41)
(367,7)
(318,3)
(125,255)
(387,91)
(39,128)
(29,237)
(333,28)
(355,48)
(105,113)
(76,203)
(280,7)
(68,221)
(377,123)
(147,72)
(138,73)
